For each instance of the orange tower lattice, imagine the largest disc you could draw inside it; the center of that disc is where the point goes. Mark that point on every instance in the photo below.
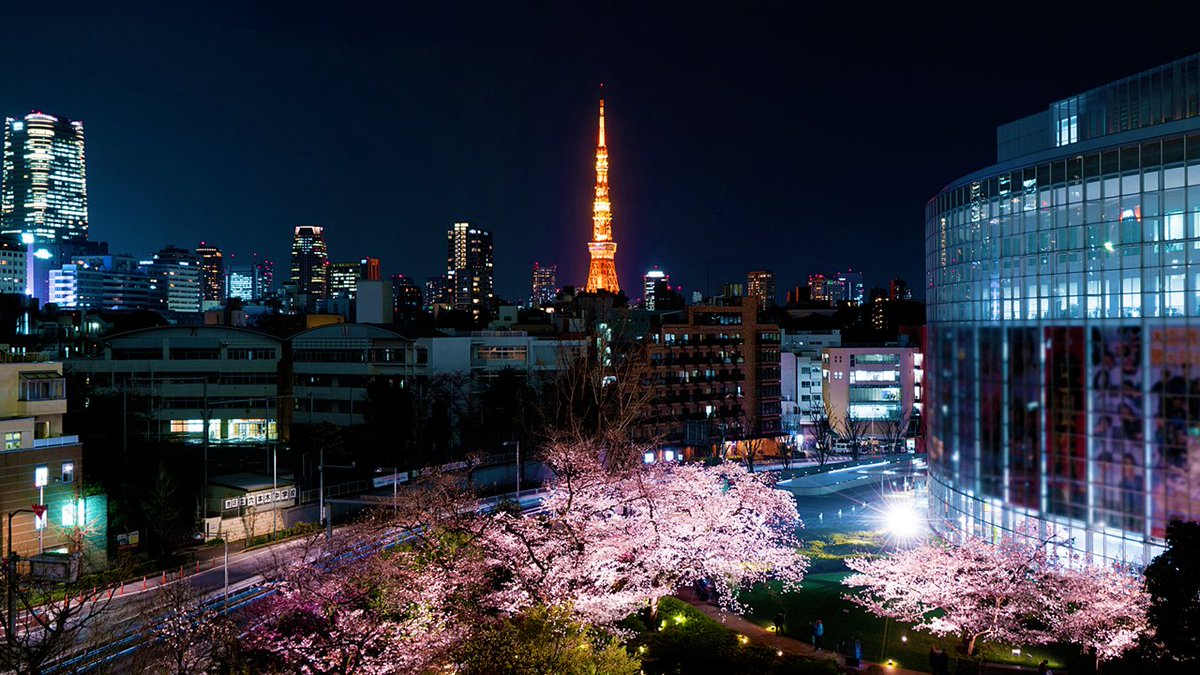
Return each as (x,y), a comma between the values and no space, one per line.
(602,273)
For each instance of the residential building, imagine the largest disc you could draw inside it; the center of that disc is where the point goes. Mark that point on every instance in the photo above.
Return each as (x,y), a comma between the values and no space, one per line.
(801,398)
(469,270)
(438,292)
(44,179)
(545,285)
(715,378)
(212,275)
(898,290)
(761,285)
(407,296)
(1064,323)
(39,465)
(310,264)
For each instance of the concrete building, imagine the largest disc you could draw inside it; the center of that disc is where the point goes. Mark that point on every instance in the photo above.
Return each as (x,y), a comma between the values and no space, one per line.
(41,466)
(716,378)
(469,268)
(761,285)
(801,397)
(186,371)
(873,393)
(176,279)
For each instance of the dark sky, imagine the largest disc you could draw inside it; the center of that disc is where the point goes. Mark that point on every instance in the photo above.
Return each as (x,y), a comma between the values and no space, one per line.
(741,136)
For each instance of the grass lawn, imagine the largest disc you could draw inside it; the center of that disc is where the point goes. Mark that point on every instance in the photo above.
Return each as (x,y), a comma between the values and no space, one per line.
(821,598)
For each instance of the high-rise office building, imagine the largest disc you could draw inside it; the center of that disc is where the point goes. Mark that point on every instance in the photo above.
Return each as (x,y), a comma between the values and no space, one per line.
(263,271)
(602,272)
(651,282)
(343,279)
(240,284)
(851,283)
(438,292)
(761,285)
(545,285)
(175,279)
(1064,323)
(212,273)
(44,179)
(898,290)
(469,268)
(369,269)
(310,263)
(103,282)
(406,296)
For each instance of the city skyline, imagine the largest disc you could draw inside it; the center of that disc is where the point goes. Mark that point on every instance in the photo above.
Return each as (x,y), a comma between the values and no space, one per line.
(710,190)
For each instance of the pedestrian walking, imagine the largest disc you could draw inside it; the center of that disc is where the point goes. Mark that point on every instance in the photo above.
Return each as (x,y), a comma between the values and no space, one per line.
(780,620)
(1044,668)
(818,633)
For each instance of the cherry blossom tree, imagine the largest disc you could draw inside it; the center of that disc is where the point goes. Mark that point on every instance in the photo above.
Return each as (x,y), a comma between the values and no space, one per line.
(406,591)
(612,540)
(1016,591)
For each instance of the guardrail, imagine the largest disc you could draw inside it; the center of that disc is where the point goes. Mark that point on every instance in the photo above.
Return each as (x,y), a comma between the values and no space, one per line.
(55,441)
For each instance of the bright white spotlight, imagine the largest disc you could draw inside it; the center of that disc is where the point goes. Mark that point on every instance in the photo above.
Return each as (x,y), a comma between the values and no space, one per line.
(902,521)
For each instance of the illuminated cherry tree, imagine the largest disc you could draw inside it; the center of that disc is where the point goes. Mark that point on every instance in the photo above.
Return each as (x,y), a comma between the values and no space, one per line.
(1015,591)
(610,538)
(610,541)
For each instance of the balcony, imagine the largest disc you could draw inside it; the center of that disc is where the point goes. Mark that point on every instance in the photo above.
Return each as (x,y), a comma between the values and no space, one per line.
(54,442)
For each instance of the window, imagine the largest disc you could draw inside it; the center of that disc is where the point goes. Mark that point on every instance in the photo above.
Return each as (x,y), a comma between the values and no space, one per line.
(41,476)
(12,440)
(68,472)
(42,386)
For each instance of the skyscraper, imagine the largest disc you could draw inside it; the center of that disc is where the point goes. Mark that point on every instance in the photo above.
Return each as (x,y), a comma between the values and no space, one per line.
(761,285)
(212,273)
(602,273)
(469,268)
(369,269)
(343,279)
(852,282)
(44,189)
(310,263)
(545,285)
(175,279)
(651,282)
(438,291)
(263,271)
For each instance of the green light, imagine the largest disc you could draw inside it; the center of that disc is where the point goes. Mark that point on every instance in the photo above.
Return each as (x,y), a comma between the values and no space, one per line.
(1108,246)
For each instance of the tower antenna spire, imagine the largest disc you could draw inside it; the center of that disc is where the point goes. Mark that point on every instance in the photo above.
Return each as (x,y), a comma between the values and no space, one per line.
(602,273)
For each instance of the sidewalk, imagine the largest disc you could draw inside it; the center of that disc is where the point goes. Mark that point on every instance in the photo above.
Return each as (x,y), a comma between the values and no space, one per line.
(760,635)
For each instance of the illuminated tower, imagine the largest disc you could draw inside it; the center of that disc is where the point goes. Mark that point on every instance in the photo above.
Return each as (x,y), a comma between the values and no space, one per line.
(45,180)
(602,274)
(310,262)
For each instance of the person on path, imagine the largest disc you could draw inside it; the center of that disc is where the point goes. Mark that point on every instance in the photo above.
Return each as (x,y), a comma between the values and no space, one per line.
(935,660)
(818,633)
(780,620)
(1044,668)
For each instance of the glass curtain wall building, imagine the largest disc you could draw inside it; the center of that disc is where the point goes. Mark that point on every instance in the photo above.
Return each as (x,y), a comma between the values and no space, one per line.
(1064,322)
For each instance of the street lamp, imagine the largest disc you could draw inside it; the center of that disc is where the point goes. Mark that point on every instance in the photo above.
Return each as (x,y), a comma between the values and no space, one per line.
(518,446)
(38,511)
(321,491)
(395,483)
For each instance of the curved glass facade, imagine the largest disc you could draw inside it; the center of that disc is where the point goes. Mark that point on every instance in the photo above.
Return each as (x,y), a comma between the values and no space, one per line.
(1063,362)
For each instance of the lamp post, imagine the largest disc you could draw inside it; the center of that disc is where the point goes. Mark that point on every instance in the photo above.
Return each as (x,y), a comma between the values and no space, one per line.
(321,489)
(395,484)
(38,511)
(518,446)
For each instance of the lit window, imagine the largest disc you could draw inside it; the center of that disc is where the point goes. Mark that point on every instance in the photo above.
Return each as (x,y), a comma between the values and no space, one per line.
(12,440)
(68,472)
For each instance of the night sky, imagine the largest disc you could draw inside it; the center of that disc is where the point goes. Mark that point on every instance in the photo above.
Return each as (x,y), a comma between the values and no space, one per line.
(740,137)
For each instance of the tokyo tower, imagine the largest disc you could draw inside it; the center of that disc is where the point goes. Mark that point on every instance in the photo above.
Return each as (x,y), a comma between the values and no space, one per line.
(602,274)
